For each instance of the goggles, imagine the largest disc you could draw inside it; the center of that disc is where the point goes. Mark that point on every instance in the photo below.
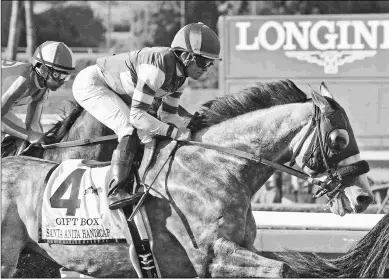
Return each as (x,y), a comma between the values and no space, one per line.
(203,62)
(59,76)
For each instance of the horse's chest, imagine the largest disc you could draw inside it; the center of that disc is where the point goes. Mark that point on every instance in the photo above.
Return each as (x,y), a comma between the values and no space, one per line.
(250,231)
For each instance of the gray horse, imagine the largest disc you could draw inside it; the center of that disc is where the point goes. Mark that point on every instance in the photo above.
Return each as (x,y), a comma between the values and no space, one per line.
(201,216)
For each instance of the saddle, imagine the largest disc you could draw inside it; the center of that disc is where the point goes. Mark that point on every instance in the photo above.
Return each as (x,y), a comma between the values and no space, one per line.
(142,160)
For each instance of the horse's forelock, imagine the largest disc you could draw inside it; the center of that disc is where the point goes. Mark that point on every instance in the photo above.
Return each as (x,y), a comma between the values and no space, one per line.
(250,98)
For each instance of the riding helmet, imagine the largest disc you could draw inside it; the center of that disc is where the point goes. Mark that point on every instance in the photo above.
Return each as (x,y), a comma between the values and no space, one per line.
(55,55)
(197,38)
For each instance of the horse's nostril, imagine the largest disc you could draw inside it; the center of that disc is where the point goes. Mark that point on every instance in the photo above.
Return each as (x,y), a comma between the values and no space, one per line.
(362,199)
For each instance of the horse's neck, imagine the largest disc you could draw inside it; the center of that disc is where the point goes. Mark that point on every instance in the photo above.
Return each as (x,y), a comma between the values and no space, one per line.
(269,133)
(85,127)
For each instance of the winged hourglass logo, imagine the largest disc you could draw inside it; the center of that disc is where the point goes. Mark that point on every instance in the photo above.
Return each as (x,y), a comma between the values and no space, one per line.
(331,59)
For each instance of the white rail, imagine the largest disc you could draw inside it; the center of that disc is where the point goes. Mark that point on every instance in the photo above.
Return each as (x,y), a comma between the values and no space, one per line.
(315,221)
(325,233)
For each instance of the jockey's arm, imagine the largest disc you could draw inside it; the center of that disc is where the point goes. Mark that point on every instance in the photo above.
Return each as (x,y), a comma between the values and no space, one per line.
(141,120)
(170,103)
(34,112)
(10,124)
(149,81)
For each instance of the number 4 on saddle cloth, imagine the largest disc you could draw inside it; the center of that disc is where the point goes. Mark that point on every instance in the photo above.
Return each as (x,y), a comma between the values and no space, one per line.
(75,207)
(75,211)
(75,204)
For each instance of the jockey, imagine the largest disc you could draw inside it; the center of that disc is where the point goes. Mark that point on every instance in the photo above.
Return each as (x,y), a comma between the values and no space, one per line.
(119,89)
(28,84)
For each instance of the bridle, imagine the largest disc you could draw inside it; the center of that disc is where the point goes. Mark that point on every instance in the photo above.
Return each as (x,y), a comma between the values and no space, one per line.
(332,176)
(336,175)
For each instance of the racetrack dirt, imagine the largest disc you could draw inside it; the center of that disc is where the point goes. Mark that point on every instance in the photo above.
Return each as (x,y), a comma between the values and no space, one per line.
(36,266)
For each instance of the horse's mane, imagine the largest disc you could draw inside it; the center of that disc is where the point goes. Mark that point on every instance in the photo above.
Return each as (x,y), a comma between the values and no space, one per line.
(368,258)
(253,97)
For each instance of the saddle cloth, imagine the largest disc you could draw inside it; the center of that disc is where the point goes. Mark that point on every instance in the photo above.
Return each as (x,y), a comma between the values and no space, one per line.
(75,207)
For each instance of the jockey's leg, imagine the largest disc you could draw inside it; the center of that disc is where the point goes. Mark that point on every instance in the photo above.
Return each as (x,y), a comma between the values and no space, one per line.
(121,163)
(93,94)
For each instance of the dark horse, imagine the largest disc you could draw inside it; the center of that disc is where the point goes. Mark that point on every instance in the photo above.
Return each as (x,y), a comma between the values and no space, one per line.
(201,217)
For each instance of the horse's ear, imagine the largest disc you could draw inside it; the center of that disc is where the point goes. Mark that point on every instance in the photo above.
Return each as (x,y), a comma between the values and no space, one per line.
(324,91)
(320,101)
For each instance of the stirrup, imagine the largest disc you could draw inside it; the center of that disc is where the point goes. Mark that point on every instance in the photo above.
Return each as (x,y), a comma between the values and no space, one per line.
(133,199)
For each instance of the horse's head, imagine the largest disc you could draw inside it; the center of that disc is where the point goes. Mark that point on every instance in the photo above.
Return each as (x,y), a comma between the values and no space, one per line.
(326,148)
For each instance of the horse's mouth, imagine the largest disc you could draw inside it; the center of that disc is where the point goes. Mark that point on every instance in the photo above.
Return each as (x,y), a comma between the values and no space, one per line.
(340,205)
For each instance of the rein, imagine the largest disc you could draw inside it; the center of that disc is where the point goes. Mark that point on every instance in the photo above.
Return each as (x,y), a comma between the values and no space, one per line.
(263,161)
(251,157)
(339,176)
(78,142)
(72,143)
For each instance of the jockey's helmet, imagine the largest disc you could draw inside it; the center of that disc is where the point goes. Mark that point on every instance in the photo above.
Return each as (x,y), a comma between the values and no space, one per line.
(197,38)
(54,55)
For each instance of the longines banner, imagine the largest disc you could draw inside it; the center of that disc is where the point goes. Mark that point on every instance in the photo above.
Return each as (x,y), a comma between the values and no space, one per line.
(305,46)
(349,52)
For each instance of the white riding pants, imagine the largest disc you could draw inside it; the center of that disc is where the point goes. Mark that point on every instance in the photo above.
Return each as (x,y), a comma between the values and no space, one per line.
(93,94)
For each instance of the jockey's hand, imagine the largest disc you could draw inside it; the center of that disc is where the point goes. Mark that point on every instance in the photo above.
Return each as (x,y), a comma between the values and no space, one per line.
(183,134)
(36,138)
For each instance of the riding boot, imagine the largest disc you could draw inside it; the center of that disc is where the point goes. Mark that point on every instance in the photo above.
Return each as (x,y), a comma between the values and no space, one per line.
(121,164)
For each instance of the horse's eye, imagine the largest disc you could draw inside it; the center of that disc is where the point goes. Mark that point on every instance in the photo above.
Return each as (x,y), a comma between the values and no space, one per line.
(339,139)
